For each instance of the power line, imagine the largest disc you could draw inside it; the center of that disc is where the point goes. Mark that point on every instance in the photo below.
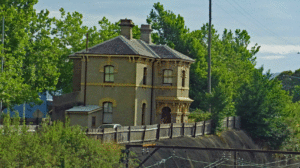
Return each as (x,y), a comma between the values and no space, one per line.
(261,25)
(239,21)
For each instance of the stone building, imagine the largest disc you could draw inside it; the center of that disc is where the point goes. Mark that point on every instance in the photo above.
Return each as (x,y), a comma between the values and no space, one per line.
(128,82)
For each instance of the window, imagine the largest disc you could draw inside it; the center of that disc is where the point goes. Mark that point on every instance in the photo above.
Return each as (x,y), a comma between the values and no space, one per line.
(145,76)
(183,78)
(107,112)
(167,76)
(143,113)
(93,121)
(108,73)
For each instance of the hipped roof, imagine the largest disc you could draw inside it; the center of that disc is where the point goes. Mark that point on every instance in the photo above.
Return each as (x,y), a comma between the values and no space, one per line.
(120,45)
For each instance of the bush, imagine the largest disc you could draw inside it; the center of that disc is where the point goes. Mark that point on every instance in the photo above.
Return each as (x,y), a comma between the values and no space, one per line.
(199,115)
(58,145)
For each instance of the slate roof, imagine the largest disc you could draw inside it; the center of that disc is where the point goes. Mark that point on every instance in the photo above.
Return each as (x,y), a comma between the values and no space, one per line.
(120,45)
(83,108)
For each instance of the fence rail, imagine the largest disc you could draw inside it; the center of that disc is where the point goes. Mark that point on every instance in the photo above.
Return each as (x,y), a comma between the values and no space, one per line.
(128,134)
(144,133)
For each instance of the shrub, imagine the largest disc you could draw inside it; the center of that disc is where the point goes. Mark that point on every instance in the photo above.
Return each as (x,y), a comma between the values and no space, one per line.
(58,145)
(199,115)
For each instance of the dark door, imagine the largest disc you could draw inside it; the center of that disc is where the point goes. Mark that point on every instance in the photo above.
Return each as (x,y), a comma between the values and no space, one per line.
(166,115)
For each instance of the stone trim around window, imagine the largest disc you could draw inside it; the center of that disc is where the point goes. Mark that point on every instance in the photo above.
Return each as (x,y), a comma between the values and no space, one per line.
(108,99)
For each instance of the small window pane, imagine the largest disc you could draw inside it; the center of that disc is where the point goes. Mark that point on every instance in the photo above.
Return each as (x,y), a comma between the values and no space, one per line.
(107,69)
(170,80)
(111,69)
(106,77)
(107,118)
(165,80)
(110,107)
(111,78)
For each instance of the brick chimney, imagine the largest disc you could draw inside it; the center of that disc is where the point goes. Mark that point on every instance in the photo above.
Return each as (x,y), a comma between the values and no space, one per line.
(146,33)
(126,28)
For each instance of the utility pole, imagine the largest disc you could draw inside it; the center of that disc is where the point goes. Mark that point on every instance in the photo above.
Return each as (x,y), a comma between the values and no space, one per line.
(209,56)
(2,56)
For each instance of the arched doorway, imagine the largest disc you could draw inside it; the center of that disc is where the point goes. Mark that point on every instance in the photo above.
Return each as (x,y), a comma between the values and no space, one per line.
(166,115)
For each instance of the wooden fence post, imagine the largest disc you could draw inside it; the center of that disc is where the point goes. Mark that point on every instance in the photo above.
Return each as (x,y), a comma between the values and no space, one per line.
(227,119)
(183,129)
(234,122)
(144,133)
(203,128)
(158,130)
(129,134)
(195,129)
(171,131)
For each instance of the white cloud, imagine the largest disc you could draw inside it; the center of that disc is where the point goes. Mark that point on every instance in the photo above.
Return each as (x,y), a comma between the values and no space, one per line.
(272,57)
(279,49)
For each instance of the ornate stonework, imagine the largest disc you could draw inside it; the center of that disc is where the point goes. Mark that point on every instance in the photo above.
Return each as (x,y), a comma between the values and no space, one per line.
(108,99)
(144,101)
(109,62)
(133,85)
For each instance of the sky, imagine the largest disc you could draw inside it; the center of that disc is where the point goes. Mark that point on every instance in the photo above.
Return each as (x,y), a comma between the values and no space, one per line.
(272,24)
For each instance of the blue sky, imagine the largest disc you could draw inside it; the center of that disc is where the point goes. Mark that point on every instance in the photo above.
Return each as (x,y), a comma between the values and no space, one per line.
(273,24)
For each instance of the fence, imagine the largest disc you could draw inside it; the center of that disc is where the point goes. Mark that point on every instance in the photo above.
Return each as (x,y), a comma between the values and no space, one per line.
(31,128)
(130,134)
(144,133)
(28,121)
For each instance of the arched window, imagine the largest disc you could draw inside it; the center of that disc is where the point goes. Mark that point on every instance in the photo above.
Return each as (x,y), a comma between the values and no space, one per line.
(183,78)
(145,76)
(168,76)
(107,112)
(143,113)
(109,73)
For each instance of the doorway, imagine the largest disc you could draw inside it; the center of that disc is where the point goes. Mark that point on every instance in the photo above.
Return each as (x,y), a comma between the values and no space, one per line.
(166,115)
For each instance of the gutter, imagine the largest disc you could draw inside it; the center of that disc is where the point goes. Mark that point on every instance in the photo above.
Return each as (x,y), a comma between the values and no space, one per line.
(85,75)
(152,83)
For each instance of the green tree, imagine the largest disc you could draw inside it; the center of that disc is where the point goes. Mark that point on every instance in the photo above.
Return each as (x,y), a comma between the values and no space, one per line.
(262,105)
(230,56)
(30,54)
(290,82)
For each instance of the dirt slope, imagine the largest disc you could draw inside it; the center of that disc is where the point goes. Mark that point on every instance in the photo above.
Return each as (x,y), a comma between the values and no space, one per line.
(228,139)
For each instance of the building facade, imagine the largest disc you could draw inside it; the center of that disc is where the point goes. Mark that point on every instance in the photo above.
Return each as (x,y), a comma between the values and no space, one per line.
(133,82)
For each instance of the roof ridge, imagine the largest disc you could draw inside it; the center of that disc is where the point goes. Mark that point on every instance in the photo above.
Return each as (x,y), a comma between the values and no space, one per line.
(96,45)
(146,46)
(104,42)
(124,40)
(177,53)
(171,50)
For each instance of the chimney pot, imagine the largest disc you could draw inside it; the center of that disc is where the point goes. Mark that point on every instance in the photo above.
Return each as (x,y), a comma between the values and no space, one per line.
(126,28)
(146,33)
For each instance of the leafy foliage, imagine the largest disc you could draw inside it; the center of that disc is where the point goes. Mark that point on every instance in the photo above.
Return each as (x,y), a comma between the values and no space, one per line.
(261,105)
(230,56)
(237,87)
(58,145)
(199,115)
(291,82)
(30,55)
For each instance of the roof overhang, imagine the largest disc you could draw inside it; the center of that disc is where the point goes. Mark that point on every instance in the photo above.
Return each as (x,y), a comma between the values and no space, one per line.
(181,99)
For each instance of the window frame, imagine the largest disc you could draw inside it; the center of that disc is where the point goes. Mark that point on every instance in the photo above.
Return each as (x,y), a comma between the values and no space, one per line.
(93,121)
(145,76)
(168,76)
(109,74)
(143,113)
(183,79)
(111,104)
